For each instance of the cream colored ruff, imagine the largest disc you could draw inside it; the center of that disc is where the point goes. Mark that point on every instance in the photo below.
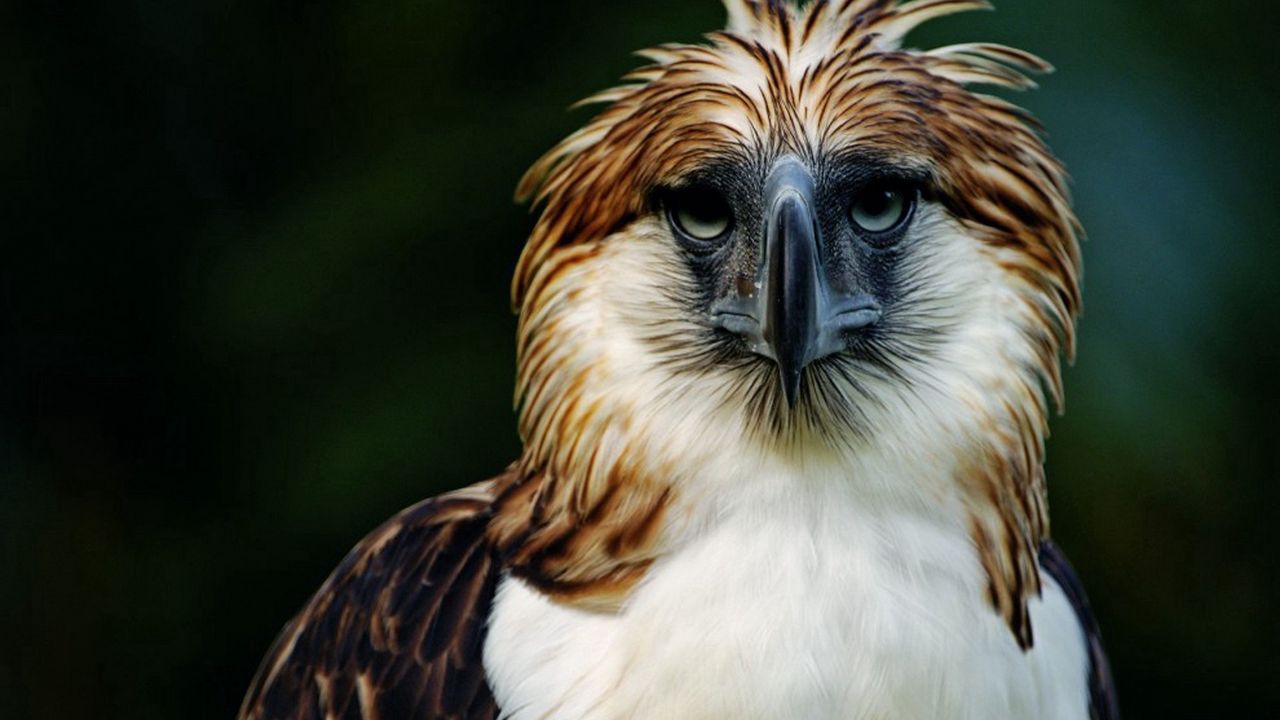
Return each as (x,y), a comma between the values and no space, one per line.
(809,607)
(820,585)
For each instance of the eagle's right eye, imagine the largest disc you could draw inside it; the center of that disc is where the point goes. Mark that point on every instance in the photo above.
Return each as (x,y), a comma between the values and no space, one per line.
(880,210)
(699,213)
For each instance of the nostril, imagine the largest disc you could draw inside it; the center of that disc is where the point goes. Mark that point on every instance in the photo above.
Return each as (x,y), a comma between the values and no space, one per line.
(845,314)
(738,315)
(854,312)
(857,319)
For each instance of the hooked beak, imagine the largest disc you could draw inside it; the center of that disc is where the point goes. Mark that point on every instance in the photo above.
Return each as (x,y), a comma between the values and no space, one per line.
(794,318)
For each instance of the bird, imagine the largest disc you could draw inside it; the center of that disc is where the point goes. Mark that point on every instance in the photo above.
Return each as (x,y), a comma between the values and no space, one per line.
(791,322)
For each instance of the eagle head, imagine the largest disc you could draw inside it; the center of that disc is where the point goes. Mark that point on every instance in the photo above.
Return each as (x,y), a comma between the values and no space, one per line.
(805,226)
(801,240)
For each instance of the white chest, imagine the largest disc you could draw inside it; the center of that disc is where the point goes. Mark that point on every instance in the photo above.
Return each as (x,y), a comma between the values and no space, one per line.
(794,614)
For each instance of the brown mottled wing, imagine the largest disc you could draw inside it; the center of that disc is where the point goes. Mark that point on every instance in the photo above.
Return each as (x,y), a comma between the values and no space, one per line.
(1103,704)
(397,630)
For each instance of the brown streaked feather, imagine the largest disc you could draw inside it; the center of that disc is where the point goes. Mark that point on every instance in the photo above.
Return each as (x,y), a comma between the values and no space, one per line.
(587,552)
(398,628)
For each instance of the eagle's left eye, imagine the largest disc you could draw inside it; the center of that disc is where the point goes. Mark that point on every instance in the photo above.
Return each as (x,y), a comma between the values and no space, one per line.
(699,213)
(882,208)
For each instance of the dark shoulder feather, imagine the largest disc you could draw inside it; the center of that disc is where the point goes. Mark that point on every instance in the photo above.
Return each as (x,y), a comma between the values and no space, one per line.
(1102,690)
(397,629)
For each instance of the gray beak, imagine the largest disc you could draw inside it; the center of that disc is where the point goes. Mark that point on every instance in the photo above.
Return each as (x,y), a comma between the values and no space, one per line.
(794,318)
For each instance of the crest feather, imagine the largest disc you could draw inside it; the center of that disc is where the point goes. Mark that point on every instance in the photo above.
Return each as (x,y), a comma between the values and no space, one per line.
(845,41)
(893,26)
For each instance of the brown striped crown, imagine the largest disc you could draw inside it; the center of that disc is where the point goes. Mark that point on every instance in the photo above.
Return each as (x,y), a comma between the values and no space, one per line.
(830,76)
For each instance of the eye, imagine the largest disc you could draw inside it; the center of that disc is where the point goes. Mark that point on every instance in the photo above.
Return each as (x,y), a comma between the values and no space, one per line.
(882,207)
(699,213)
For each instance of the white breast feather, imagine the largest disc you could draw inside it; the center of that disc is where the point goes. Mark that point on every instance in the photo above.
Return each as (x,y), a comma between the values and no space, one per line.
(816,610)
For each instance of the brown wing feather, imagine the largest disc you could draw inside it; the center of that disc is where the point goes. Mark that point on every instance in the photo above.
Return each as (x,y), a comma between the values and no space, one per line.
(1103,704)
(397,629)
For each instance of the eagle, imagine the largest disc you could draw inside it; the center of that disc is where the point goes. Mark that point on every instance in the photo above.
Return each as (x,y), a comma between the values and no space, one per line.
(791,323)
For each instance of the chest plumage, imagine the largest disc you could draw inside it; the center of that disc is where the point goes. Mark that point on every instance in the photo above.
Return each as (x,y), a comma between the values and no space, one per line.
(814,608)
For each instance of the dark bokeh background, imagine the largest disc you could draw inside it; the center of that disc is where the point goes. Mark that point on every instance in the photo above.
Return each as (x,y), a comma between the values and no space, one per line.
(254,300)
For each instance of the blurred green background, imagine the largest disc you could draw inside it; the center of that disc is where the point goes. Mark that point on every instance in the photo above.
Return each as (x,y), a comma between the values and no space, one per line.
(254,301)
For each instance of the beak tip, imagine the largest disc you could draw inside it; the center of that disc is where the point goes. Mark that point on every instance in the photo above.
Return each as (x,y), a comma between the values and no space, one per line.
(791,386)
